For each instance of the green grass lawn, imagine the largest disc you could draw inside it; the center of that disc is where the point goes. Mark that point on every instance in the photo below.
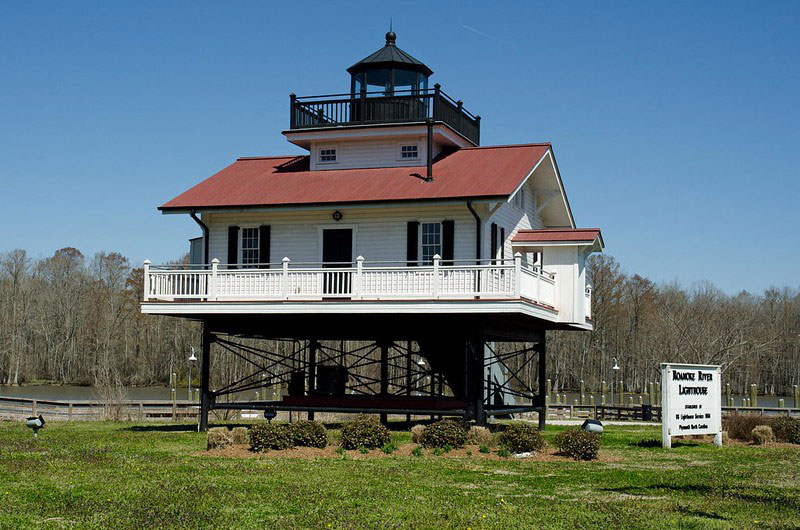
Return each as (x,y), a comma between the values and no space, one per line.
(122,475)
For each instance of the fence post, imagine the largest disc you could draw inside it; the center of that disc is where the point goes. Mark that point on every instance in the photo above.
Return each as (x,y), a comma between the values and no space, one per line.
(292,100)
(141,411)
(69,412)
(436,260)
(658,393)
(285,280)
(754,395)
(359,287)
(517,274)
(33,408)
(146,294)
(212,287)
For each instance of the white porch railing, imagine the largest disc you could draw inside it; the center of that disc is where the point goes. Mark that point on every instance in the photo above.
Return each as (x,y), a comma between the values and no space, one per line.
(366,281)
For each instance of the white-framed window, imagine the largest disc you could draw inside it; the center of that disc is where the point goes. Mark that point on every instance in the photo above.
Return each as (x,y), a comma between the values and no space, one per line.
(327,155)
(249,247)
(430,241)
(519,199)
(408,152)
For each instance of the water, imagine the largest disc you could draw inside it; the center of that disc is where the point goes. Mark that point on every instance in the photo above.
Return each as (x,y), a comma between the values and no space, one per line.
(88,393)
(139,393)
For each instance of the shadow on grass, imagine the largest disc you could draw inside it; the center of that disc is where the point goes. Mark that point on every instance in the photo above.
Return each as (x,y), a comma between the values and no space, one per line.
(651,443)
(760,496)
(179,427)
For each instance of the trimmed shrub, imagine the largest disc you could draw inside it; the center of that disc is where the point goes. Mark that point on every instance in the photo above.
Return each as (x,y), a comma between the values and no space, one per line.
(740,426)
(762,435)
(578,444)
(365,432)
(265,436)
(480,436)
(309,434)
(786,429)
(521,438)
(219,438)
(239,436)
(443,433)
(416,433)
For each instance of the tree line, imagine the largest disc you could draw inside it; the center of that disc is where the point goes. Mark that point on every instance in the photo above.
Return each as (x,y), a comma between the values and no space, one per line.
(76,320)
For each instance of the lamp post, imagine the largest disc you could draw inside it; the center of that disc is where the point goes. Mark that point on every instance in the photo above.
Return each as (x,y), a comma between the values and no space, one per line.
(615,370)
(192,360)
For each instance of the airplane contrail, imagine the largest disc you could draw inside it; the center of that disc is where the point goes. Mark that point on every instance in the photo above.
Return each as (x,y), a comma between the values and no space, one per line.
(485,35)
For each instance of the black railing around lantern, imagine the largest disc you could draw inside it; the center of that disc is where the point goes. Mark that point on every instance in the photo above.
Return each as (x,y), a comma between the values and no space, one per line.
(401,106)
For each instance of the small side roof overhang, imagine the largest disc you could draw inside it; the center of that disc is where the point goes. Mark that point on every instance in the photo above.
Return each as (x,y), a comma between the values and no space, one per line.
(532,240)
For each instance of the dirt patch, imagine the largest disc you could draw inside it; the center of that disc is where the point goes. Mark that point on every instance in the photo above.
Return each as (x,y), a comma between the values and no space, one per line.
(405,450)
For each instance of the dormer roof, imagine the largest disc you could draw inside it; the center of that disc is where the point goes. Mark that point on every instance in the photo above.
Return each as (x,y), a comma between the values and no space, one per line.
(494,172)
(390,56)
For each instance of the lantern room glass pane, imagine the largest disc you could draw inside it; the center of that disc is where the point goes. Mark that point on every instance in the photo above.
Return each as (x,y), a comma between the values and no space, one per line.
(379,81)
(406,82)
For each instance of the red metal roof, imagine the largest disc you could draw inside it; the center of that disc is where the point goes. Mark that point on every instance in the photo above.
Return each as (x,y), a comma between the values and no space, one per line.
(558,235)
(470,172)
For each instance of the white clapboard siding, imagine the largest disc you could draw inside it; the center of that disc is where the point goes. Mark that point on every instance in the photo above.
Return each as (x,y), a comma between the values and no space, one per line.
(512,219)
(370,153)
(379,233)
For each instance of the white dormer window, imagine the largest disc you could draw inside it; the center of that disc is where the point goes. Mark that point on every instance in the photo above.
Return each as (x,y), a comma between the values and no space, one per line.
(409,152)
(519,199)
(327,155)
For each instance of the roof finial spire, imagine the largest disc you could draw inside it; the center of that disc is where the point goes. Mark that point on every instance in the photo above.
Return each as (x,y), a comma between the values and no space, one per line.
(390,35)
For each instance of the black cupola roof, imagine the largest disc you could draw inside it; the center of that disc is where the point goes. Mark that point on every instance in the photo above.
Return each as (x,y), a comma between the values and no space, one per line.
(390,56)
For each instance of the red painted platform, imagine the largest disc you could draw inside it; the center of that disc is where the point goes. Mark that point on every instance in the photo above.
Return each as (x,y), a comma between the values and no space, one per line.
(376,402)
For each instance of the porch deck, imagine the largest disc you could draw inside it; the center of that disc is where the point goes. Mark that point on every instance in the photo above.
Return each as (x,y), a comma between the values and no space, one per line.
(298,284)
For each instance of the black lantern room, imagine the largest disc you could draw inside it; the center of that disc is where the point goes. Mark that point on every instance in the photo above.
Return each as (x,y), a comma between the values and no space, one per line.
(389,71)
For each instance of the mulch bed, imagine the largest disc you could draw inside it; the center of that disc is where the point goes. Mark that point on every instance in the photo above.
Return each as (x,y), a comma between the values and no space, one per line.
(550,454)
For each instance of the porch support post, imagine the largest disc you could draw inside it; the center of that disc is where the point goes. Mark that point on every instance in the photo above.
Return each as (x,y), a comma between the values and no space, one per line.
(384,374)
(313,346)
(540,348)
(479,379)
(205,396)
(408,375)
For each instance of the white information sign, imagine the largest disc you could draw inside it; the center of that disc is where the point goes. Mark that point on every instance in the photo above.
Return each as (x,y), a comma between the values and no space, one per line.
(691,401)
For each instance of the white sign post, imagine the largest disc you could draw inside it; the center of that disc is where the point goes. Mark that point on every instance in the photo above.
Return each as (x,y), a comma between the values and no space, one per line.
(691,401)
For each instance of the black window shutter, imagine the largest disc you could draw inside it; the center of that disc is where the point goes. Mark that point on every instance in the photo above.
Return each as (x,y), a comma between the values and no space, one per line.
(412,239)
(494,243)
(263,244)
(502,243)
(233,246)
(448,237)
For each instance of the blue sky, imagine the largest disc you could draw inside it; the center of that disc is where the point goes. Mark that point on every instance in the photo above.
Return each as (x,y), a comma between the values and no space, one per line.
(675,124)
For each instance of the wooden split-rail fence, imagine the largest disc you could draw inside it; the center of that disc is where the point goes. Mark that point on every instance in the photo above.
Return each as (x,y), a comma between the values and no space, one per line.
(17,408)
